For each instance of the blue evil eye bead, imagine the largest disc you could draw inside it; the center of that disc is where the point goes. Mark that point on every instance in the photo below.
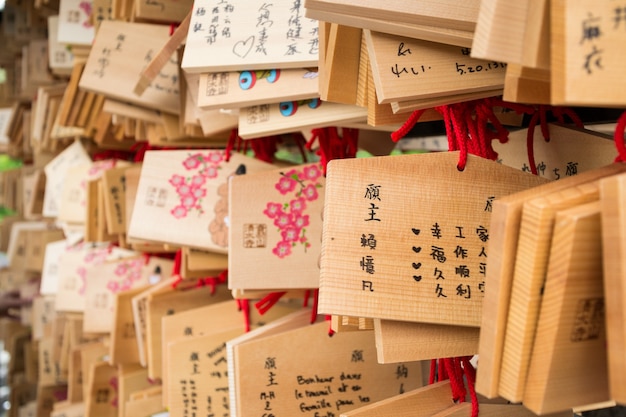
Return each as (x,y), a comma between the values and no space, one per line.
(273,76)
(315,103)
(247,79)
(288,108)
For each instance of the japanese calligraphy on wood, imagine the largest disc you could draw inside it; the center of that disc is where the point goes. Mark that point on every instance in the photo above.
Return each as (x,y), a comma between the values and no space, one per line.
(410,256)
(250,35)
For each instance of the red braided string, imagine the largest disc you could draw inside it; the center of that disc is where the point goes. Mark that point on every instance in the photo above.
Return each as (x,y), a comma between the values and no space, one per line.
(267,302)
(178,259)
(433,371)
(244,307)
(443,374)
(618,136)
(453,367)
(230,145)
(305,302)
(316,294)
(407,126)
(264,148)
(470,375)
(332,146)
(331,332)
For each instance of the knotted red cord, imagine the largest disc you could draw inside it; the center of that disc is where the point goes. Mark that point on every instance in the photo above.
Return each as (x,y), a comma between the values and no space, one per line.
(178,259)
(267,302)
(332,146)
(618,136)
(213,282)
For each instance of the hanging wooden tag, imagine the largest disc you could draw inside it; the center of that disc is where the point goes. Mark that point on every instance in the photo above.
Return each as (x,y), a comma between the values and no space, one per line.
(69,410)
(526,85)
(207,320)
(240,35)
(276,224)
(253,87)
(46,396)
(75,26)
(531,261)
(401,341)
(60,59)
(187,191)
(165,11)
(613,220)
(113,182)
(421,402)
(121,50)
(503,245)
(199,260)
(569,152)
(131,378)
(340,373)
(199,374)
(438,275)
(148,405)
(165,304)
(494,410)
(421,69)
(342,60)
(124,348)
(107,279)
(293,116)
(43,315)
(585,54)
(570,328)
(101,390)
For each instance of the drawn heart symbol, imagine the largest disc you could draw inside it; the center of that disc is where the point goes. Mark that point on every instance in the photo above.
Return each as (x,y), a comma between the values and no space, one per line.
(416,231)
(417,278)
(243,48)
(417,265)
(417,249)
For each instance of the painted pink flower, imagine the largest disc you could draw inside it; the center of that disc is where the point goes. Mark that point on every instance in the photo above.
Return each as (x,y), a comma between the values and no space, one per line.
(183,190)
(301,221)
(210,171)
(290,234)
(188,201)
(283,220)
(298,205)
(179,212)
(126,283)
(113,286)
(273,210)
(197,180)
(282,249)
(121,270)
(215,157)
(193,161)
(177,180)
(286,184)
(310,192)
(134,276)
(198,192)
(312,172)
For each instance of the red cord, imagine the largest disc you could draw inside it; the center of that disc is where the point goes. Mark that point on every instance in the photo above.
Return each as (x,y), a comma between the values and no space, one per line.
(331,332)
(244,307)
(433,371)
(470,375)
(316,294)
(407,126)
(267,302)
(178,259)
(619,138)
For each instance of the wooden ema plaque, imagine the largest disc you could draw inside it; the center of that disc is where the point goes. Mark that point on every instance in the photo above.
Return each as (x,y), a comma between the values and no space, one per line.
(531,263)
(249,35)
(612,198)
(405,237)
(568,367)
(187,191)
(328,376)
(506,219)
(276,222)
(587,59)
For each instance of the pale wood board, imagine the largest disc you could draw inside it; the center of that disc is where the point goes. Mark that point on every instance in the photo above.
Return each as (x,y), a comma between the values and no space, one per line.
(349,361)
(100,392)
(199,369)
(275,229)
(408,69)
(342,64)
(165,11)
(422,402)
(114,184)
(570,328)
(250,36)
(500,30)
(122,49)
(398,341)
(150,406)
(494,410)
(168,303)
(569,152)
(526,85)
(506,219)
(446,13)
(203,321)
(74,26)
(123,348)
(410,290)
(293,116)
(419,104)
(536,51)
(613,218)
(586,59)
(531,262)
(131,378)
(157,199)
(229,90)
